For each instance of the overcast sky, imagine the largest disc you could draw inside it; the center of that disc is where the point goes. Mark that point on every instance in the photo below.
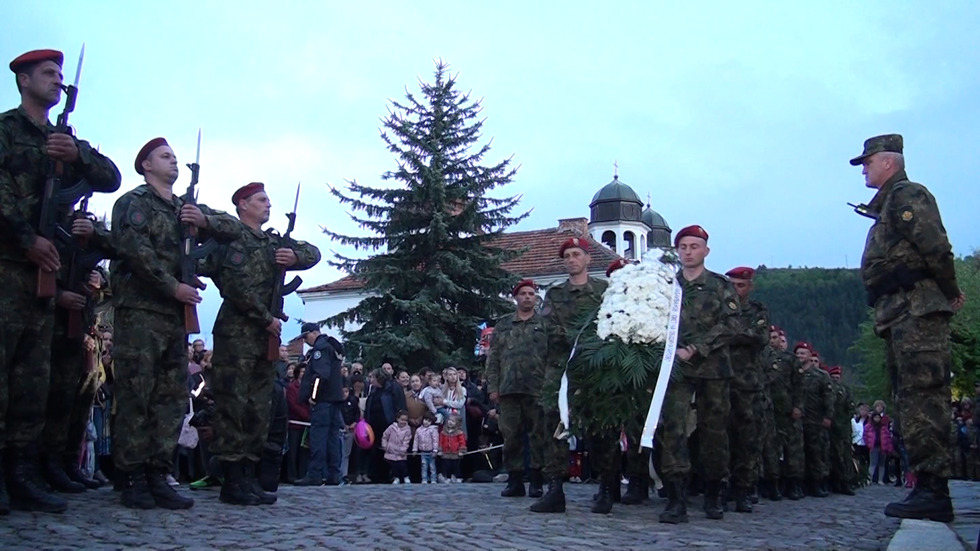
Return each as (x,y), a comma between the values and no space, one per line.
(739,116)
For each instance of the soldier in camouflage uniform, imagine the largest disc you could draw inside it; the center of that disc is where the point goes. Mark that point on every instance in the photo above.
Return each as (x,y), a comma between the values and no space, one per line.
(242,378)
(818,412)
(28,147)
(709,322)
(150,352)
(842,472)
(564,306)
(908,270)
(746,428)
(524,346)
(778,419)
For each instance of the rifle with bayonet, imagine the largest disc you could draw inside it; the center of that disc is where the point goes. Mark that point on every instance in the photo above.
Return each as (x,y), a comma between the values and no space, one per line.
(863,210)
(54,196)
(280,288)
(191,252)
(82,259)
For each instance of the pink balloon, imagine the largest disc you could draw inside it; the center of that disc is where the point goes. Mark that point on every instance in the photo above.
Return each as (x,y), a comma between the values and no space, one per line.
(363,435)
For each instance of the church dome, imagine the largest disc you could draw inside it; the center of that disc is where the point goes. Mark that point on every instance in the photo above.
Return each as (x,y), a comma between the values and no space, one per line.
(659,234)
(615,201)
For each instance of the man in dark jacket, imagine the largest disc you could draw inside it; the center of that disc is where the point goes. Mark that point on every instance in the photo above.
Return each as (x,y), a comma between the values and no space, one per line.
(322,386)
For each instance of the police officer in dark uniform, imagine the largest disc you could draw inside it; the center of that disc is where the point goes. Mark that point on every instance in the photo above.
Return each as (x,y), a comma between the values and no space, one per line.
(323,385)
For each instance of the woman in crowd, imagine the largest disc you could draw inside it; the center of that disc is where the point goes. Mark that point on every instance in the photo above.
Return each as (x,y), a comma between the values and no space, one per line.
(878,439)
(297,456)
(385,400)
(454,394)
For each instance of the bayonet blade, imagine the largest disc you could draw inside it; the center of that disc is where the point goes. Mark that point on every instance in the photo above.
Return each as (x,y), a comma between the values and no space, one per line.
(197,158)
(78,71)
(296,202)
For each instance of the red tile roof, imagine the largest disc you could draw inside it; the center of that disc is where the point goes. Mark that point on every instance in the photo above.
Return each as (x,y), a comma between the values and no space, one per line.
(540,259)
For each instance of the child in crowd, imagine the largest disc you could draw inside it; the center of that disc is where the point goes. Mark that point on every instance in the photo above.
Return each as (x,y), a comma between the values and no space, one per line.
(434,399)
(427,444)
(395,442)
(452,444)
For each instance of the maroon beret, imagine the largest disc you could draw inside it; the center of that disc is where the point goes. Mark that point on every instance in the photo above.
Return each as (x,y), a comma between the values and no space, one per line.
(617,264)
(523,283)
(802,344)
(691,231)
(815,354)
(573,242)
(36,56)
(742,272)
(836,370)
(775,328)
(145,152)
(247,191)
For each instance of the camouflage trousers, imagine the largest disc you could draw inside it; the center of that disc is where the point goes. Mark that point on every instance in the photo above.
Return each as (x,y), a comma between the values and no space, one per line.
(771,444)
(713,403)
(242,387)
(25,352)
(556,454)
(522,414)
(919,362)
(71,394)
(150,369)
(606,455)
(841,457)
(790,440)
(745,437)
(816,446)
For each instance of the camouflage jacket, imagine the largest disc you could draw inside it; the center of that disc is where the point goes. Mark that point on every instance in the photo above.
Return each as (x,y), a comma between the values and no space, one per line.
(843,408)
(567,303)
(24,172)
(146,237)
(522,352)
(709,321)
(784,378)
(245,271)
(907,243)
(747,346)
(818,396)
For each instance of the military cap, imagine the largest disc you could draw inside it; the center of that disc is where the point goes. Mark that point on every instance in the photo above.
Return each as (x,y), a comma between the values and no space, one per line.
(691,231)
(308,327)
(775,328)
(523,283)
(814,353)
(617,264)
(36,56)
(742,272)
(803,344)
(247,191)
(145,152)
(835,370)
(877,144)
(572,243)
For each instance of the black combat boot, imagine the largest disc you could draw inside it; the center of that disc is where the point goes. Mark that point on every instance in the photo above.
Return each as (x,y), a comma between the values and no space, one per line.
(603,504)
(515,485)
(235,490)
(535,486)
(815,488)
(794,489)
(135,492)
(4,498)
(754,494)
(553,500)
(249,470)
(712,501)
(772,490)
(75,474)
(270,465)
(676,510)
(743,503)
(27,490)
(164,494)
(843,488)
(54,473)
(635,493)
(928,501)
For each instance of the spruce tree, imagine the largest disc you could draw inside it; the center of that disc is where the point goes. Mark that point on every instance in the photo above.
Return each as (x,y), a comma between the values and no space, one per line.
(434,274)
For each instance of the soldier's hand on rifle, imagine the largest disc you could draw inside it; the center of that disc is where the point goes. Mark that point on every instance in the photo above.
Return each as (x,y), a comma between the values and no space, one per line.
(275,327)
(286,257)
(95,280)
(71,301)
(61,147)
(686,353)
(82,227)
(44,254)
(190,214)
(187,294)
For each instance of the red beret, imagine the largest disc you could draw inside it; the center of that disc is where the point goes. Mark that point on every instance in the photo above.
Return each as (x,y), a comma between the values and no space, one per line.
(802,344)
(247,191)
(742,272)
(523,283)
(145,152)
(836,370)
(617,264)
(572,243)
(775,328)
(691,231)
(36,56)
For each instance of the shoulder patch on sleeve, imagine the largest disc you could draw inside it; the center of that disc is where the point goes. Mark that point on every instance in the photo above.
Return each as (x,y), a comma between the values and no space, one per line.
(136,217)
(732,305)
(236,258)
(907,215)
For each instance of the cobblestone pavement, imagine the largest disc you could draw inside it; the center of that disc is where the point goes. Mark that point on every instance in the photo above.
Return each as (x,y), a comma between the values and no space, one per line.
(447,516)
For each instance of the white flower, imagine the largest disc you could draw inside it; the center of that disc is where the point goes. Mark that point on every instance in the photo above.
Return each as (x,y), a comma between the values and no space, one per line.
(636,305)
